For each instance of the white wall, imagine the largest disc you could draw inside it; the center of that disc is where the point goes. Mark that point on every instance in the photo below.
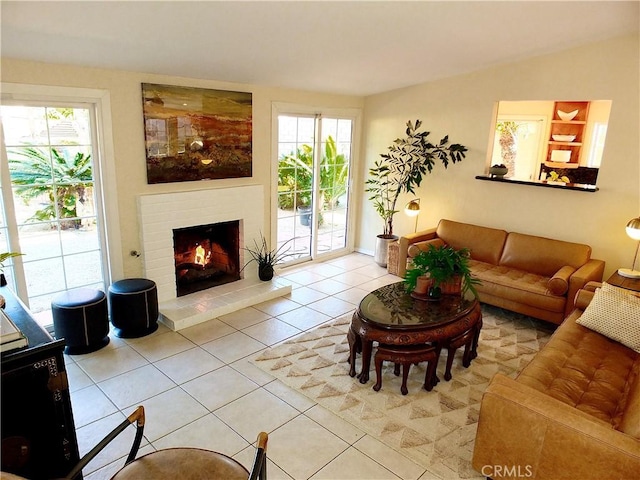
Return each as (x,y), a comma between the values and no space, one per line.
(462,107)
(124,89)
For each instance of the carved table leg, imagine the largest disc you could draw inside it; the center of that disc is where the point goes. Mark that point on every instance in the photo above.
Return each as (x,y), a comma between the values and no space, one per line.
(474,350)
(430,377)
(378,363)
(447,371)
(367,346)
(354,344)
(405,375)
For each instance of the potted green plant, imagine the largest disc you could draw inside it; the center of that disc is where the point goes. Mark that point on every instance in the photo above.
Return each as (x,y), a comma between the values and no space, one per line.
(442,265)
(499,170)
(401,170)
(4,256)
(265,257)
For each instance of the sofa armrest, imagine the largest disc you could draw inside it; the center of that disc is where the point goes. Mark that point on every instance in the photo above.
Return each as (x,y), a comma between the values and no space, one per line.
(591,271)
(559,283)
(524,432)
(407,240)
(583,298)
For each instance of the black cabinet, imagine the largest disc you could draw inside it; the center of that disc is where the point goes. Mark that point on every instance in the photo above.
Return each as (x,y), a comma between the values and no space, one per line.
(38,432)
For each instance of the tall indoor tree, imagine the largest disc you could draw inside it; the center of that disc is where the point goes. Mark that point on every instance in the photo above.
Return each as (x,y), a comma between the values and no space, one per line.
(401,170)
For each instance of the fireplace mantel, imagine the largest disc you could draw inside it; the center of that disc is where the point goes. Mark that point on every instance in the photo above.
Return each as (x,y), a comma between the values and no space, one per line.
(160,214)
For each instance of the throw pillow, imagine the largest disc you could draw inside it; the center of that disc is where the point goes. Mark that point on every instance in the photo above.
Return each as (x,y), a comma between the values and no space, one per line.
(615,316)
(607,287)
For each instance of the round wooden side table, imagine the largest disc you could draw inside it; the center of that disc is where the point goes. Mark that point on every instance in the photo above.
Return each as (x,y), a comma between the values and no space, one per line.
(390,316)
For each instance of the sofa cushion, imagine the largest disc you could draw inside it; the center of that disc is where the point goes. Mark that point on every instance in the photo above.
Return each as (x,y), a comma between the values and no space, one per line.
(615,315)
(485,244)
(630,423)
(516,286)
(586,370)
(542,256)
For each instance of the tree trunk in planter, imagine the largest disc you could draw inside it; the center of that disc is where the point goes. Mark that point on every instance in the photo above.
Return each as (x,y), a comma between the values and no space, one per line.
(381,255)
(509,150)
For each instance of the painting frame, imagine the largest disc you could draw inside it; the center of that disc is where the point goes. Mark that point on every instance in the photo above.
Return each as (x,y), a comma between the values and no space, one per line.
(194,134)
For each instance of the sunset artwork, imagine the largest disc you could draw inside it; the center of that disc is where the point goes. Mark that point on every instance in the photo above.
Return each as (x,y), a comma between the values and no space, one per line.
(196,134)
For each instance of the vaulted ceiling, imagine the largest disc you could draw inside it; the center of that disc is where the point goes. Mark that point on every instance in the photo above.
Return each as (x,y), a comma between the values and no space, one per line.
(356,47)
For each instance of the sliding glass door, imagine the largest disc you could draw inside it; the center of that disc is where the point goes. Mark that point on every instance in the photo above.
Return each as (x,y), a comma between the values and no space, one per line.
(50,203)
(314,166)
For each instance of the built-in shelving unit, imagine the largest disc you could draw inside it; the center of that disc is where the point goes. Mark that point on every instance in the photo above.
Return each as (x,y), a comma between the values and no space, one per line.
(569,151)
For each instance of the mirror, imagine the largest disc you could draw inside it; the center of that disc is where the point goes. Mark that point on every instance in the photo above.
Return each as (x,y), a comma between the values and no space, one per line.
(555,143)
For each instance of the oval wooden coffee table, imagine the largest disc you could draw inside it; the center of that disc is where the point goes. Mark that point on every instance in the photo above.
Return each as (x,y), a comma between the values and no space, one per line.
(390,316)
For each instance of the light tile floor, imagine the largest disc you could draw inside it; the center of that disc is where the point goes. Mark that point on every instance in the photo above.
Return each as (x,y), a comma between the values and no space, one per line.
(199,388)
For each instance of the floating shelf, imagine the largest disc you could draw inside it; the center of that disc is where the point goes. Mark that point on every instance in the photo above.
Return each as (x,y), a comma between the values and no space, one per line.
(561,164)
(579,187)
(570,122)
(570,144)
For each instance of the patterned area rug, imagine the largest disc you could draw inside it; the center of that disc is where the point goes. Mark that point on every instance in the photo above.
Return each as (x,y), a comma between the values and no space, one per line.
(436,429)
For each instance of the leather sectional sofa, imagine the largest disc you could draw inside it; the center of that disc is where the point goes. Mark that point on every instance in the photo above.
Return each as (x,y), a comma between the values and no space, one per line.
(573,412)
(527,274)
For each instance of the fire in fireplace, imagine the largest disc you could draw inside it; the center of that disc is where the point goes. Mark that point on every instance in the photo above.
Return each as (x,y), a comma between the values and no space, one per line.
(206,256)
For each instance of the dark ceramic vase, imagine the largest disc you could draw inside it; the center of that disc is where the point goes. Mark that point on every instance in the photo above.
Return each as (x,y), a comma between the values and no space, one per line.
(434,294)
(265,272)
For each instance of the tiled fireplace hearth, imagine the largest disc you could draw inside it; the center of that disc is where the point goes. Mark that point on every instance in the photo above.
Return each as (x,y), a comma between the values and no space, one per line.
(162,214)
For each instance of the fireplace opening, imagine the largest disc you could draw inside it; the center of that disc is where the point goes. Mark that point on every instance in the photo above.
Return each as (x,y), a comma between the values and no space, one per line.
(206,256)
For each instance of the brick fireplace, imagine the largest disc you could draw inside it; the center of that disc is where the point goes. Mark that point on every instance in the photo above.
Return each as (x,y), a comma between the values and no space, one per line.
(222,215)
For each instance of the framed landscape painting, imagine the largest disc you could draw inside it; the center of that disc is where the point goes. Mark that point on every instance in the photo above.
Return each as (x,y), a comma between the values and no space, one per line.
(196,133)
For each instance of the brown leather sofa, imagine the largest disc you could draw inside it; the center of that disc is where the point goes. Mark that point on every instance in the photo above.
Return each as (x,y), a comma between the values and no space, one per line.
(527,274)
(573,412)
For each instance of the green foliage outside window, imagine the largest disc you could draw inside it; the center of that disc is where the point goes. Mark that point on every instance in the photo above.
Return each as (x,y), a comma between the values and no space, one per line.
(295,177)
(33,169)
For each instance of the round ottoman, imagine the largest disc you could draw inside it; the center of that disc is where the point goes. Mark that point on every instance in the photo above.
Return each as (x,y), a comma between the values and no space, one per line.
(133,304)
(80,317)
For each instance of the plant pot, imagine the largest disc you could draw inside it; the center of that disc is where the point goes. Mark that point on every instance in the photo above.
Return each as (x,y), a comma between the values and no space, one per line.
(305,216)
(381,255)
(423,284)
(453,286)
(265,272)
(498,172)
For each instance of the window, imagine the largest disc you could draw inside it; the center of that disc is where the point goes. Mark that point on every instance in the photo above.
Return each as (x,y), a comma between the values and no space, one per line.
(52,200)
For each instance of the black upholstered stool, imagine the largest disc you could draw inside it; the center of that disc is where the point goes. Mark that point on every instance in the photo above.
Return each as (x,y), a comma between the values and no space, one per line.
(133,305)
(80,317)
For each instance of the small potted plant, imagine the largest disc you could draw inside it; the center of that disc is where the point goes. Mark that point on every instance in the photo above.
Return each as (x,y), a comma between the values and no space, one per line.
(266,258)
(4,256)
(498,170)
(447,270)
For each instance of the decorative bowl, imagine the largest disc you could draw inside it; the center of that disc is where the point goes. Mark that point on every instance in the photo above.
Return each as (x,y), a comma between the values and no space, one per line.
(563,138)
(567,116)
(561,156)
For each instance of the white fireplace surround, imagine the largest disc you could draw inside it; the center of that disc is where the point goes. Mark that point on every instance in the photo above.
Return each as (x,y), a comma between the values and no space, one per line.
(160,214)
